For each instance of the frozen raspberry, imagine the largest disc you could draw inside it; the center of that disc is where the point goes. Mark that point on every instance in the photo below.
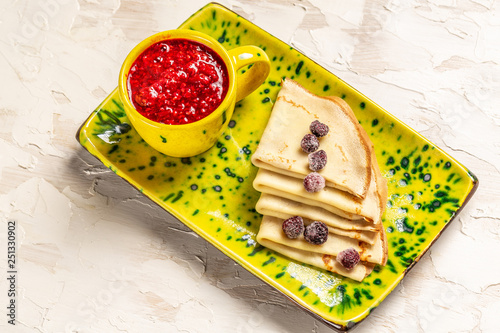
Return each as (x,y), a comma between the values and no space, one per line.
(293,227)
(348,258)
(319,129)
(316,233)
(317,160)
(314,182)
(309,143)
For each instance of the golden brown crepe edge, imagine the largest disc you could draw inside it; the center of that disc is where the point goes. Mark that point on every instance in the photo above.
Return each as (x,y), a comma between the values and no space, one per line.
(382,191)
(368,146)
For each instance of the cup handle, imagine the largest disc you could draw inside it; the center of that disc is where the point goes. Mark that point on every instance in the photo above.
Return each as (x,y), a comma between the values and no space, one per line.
(247,82)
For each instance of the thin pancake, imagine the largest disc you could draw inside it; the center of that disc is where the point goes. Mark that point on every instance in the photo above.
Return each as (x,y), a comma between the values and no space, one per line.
(346,145)
(331,199)
(270,229)
(323,261)
(283,208)
(268,203)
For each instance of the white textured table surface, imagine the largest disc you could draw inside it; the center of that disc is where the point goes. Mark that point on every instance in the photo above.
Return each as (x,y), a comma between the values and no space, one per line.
(94,255)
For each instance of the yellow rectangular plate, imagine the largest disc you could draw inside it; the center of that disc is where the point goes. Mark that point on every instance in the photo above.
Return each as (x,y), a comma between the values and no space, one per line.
(212,193)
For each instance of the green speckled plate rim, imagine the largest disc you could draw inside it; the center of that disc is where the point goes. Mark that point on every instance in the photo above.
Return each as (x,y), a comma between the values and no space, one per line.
(87,144)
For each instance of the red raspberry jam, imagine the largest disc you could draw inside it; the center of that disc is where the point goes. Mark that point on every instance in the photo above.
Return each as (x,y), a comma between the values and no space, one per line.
(177,81)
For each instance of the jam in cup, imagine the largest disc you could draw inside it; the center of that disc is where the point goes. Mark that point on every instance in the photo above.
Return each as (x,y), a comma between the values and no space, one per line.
(179,88)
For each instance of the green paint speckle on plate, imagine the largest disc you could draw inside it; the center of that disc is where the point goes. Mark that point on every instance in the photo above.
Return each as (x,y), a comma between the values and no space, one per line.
(426,186)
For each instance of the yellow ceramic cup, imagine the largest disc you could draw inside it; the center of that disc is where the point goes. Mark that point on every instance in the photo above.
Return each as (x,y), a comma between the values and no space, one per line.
(194,138)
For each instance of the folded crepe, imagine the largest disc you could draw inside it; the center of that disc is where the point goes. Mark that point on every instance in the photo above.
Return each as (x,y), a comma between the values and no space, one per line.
(347,145)
(319,255)
(331,199)
(324,261)
(270,230)
(282,208)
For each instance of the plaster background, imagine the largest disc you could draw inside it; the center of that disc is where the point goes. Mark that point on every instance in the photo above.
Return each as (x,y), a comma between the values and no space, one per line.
(95,255)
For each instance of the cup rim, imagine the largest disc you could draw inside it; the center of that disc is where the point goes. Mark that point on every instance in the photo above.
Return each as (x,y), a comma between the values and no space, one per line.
(176,34)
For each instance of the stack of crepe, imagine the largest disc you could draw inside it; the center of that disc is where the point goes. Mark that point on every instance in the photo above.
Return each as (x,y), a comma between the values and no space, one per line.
(355,195)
